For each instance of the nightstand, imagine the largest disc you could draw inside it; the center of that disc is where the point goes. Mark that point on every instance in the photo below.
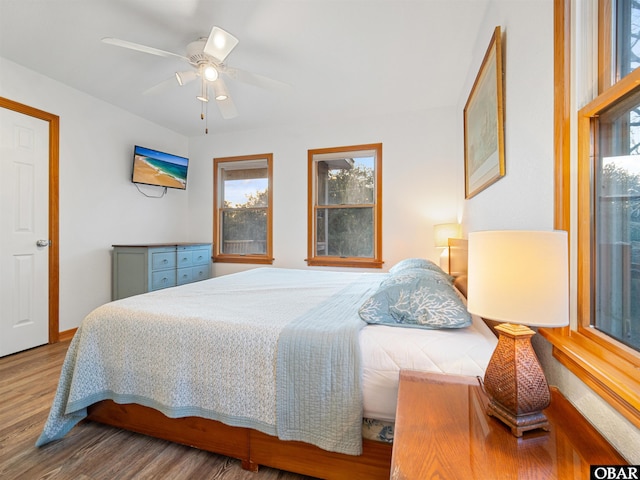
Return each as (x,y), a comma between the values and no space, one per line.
(443,432)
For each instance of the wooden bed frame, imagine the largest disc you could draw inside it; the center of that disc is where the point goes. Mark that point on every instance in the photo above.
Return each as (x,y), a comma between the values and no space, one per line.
(254,448)
(251,447)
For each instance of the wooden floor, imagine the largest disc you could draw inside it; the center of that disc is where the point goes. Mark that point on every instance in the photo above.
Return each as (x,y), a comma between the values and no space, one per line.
(89,451)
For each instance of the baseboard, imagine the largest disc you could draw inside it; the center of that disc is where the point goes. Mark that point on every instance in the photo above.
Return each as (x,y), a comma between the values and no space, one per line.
(67,334)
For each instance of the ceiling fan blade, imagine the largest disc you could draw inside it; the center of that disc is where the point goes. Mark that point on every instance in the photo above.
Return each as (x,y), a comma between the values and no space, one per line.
(255,79)
(141,48)
(227,108)
(220,43)
(161,87)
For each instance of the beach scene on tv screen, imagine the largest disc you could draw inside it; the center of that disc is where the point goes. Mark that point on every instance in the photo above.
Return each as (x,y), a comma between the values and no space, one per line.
(156,168)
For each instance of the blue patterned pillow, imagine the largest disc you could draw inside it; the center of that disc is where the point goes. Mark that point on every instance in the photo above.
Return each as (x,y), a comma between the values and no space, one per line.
(420,263)
(417,299)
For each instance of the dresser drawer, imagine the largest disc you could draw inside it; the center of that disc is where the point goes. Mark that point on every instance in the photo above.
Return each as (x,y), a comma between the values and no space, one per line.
(160,260)
(200,272)
(185,258)
(192,274)
(185,275)
(201,256)
(163,279)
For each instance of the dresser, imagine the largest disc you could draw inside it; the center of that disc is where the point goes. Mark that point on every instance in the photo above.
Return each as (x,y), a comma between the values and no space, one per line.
(143,268)
(442,431)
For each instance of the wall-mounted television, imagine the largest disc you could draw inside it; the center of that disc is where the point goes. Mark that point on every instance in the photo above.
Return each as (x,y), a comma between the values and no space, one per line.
(151,167)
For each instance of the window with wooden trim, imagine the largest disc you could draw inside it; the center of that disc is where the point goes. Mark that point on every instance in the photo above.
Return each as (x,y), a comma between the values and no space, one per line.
(242,209)
(344,206)
(603,349)
(618,40)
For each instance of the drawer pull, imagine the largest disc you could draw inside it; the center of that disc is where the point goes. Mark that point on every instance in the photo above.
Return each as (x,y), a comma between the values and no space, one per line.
(165,261)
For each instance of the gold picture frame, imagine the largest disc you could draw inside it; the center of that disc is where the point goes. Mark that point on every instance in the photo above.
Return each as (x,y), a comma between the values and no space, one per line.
(484,123)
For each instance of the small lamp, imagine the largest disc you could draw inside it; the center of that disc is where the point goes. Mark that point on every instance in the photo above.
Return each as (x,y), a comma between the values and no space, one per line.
(518,277)
(442,233)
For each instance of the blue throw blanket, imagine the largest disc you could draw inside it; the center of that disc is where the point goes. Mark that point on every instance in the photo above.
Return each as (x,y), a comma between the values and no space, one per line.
(319,380)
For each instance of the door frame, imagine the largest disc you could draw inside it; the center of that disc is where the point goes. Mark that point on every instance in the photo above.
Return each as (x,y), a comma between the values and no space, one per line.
(54,214)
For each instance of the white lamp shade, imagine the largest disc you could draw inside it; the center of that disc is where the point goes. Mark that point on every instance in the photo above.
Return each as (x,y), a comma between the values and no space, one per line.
(444,231)
(519,277)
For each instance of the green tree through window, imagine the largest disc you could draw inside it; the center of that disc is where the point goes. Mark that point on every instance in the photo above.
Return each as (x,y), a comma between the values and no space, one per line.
(242,209)
(344,208)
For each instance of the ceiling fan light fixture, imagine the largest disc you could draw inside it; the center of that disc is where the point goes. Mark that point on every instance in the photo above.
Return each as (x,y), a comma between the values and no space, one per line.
(204,92)
(220,43)
(220,91)
(219,40)
(185,77)
(210,73)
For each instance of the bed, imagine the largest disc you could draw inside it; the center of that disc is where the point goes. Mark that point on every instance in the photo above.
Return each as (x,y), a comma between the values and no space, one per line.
(272,366)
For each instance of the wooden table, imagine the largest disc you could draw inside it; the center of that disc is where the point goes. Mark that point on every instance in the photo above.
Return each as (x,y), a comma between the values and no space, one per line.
(443,432)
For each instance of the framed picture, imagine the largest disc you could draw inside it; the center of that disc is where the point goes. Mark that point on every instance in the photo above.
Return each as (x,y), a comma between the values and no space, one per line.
(483,123)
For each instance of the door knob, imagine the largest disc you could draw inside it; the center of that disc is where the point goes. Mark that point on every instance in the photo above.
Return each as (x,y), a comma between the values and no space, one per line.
(43,243)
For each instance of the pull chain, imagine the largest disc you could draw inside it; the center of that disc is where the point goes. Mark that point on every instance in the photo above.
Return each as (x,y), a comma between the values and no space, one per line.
(204,109)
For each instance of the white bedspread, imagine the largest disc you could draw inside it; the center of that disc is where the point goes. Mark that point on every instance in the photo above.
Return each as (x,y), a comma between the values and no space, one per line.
(210,349)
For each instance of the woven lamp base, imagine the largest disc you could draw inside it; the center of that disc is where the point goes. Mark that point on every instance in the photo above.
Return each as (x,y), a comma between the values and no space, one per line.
(515,383)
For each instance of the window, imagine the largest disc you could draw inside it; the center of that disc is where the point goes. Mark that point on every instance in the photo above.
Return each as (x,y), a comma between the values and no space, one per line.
(603,349)
(345,189)
(242,209)
(619,32)
(616,225)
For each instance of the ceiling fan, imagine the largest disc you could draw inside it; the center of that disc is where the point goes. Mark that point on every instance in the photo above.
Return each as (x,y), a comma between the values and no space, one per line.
(207,57)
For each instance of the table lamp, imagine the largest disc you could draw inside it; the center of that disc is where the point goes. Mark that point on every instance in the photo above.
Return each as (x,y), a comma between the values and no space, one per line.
(521,278)
(442,233)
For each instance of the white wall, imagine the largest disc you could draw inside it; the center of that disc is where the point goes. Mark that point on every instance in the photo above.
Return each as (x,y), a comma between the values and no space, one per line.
(523,199)
(99,206)
(420,174)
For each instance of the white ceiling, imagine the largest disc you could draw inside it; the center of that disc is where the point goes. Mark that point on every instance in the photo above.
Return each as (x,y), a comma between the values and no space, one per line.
(343,58)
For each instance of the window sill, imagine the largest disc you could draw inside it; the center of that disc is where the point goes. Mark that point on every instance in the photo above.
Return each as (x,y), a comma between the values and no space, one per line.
(258,260)
(343,262)
(613,377)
